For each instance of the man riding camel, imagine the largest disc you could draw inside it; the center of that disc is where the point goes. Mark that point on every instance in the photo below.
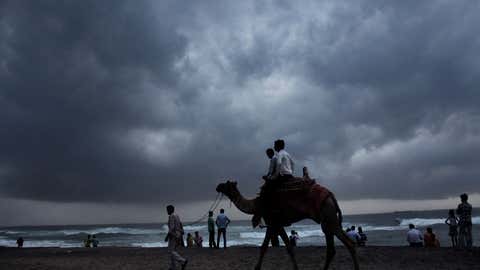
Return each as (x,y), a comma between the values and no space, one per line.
(280,170)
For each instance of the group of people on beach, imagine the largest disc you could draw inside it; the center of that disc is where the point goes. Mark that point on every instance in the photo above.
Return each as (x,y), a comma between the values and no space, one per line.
(357,237)
(460,229)
(221,223)
(91,241)
(460,226)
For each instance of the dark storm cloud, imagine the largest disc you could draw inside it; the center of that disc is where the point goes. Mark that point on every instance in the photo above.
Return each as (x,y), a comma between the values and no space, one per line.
(146,101)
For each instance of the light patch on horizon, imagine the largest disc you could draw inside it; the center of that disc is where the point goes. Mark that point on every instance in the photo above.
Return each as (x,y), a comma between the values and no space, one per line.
(31,213)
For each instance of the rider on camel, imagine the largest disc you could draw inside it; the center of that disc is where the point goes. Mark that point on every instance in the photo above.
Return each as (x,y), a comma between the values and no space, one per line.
(280,170)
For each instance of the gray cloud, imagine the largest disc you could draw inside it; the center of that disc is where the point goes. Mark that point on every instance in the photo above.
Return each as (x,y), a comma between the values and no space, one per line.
(141,102)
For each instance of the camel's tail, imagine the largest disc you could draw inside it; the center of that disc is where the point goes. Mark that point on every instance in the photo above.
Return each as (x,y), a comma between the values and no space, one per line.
(339,212)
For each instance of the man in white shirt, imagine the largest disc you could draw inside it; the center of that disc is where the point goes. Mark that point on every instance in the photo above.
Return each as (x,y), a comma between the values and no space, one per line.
(414,237)
(285,165)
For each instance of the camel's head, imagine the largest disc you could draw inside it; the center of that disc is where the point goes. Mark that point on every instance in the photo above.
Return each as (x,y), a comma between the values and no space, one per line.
(227,188)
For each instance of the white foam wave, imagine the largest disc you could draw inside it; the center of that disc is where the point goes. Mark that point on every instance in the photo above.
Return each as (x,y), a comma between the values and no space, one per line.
(302,234)
(150,245)
(42,243)
(252,235)
(106,230)
(194,228)
(383,228)
(429,221)
(115,230)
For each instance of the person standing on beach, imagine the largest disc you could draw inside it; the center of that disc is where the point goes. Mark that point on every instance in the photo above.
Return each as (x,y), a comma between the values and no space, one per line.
(452,222)
(20,242)
(175,232)
(363,237)
(293,238)
(222,224)
(464,212)
(414,237)
(211,230)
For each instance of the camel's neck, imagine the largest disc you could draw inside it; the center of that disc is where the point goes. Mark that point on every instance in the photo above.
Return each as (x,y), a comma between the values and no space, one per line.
(244,205)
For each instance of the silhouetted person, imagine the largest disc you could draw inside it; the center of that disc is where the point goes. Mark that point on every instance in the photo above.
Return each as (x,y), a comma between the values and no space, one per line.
(271,165)
(464,212)
(452,222)
(285,165)
(94,241)
(414,237)
(175,232)
(222,224)
(293,238)
(88,241)
(20,242)
(257,217)
(198,240)
(190,241)
(283,172)
(306,175)
(363,237)
(211,230)
(430,239)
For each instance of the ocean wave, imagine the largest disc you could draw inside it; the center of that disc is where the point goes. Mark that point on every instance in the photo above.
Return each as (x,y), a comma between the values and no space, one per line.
(261,235)
(74,232)
(42,243)
(383,228)
(150,245)
(429,221)
(194,228)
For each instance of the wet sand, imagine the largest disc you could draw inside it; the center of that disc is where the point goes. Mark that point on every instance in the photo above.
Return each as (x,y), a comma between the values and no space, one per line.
(390,258)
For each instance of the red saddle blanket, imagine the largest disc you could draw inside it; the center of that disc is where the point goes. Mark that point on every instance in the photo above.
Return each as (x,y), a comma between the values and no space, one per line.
(315,193)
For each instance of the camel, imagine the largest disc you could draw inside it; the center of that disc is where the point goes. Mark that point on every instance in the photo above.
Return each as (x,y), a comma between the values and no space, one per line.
(316,203)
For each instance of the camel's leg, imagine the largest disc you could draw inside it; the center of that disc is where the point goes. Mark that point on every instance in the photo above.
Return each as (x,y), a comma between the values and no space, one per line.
(340,234)
(264,247)
(330,246)
(284,236)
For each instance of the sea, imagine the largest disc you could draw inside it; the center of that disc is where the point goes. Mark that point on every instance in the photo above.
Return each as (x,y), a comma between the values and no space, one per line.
(387,229)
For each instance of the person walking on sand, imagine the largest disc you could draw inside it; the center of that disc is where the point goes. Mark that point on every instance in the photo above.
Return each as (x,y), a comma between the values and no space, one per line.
(414,237)
(175,232)
(222,224)
(464,212)
(452,222)
(211,230)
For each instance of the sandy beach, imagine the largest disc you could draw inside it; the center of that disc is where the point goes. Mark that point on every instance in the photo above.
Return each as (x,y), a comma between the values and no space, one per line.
(235,258)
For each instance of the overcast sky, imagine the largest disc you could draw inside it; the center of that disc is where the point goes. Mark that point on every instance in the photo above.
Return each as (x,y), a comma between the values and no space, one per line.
(131,103)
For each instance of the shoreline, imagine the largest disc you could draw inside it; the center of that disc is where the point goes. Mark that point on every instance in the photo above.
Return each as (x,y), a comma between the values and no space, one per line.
(236,258)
